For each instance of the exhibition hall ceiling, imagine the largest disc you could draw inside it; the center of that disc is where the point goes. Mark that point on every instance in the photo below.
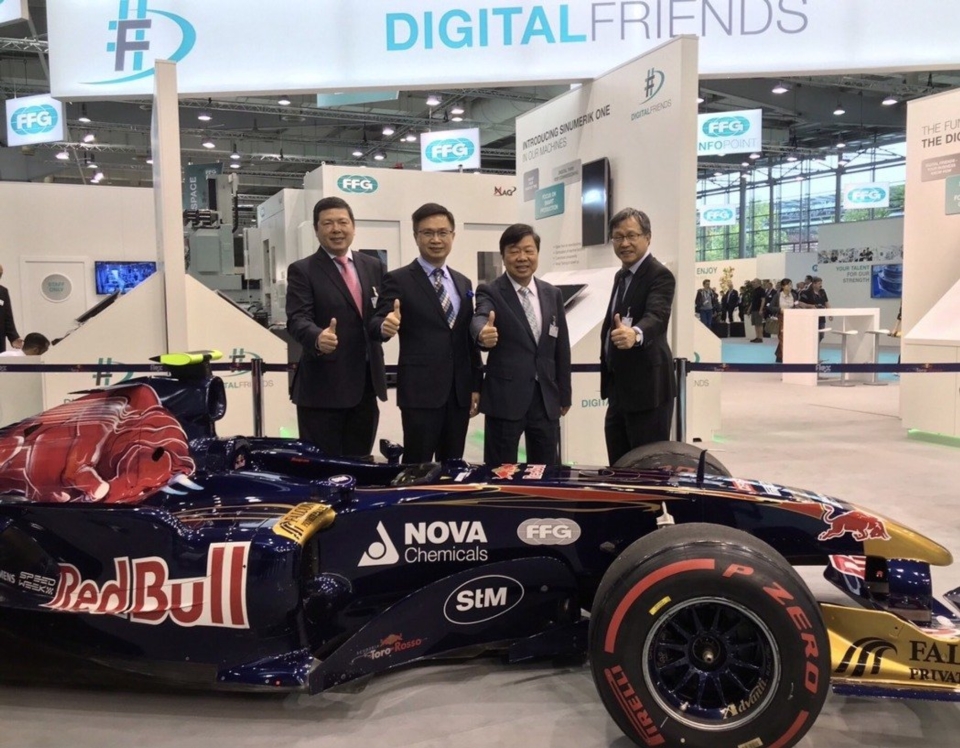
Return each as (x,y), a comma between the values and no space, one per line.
(278,143)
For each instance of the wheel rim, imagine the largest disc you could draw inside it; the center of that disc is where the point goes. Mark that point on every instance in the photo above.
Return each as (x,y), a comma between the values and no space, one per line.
(711,663)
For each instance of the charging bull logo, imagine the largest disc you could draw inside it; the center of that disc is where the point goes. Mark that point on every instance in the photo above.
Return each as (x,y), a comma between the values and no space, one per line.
(860,525)
(113,446)
(143,591)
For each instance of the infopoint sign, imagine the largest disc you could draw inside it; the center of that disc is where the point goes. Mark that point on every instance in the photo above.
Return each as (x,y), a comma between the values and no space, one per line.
(718,215)
(357,184)
(450,150)
(729,132)
(107,48)
(866,195)
(34,119)
(13,10)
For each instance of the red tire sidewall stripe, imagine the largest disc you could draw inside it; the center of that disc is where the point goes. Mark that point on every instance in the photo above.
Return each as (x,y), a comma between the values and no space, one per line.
(680,567)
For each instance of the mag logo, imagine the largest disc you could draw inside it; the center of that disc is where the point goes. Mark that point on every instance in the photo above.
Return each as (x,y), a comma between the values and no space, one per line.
(140,35)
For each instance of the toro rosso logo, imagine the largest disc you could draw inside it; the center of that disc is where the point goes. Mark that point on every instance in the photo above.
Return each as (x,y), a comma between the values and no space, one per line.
(860,525)
(143,592)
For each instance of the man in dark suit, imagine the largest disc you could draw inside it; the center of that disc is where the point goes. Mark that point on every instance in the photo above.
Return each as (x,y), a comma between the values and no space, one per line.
(438,379)
(636,372)
(526,383)
(730,303)
(331,297)
(8,330)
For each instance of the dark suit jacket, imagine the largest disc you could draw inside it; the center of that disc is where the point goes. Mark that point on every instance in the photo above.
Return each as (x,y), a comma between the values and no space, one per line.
(518,361)
(731,300)
(433,356)
(643,376)
(316,292)
(8,330)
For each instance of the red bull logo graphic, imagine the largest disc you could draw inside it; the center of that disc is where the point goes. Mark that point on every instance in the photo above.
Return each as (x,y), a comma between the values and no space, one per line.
(143,592)
(860,525)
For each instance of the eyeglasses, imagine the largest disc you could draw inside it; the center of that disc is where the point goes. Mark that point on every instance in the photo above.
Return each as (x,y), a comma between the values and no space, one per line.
(339,223)
(631,237)
(442,234)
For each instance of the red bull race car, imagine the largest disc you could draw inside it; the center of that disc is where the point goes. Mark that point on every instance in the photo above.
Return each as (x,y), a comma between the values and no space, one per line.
(134,536)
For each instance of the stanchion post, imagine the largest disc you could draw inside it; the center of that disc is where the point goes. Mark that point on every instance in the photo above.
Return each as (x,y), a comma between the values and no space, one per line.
(681,366)
(256,372)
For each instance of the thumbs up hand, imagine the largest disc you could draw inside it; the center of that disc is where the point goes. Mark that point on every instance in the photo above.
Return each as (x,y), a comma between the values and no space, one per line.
(488,333)
(327,339)
(391,323)
(621,336)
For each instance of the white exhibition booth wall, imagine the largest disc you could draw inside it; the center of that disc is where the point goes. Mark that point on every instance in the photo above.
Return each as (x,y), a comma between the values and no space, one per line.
(931,269)
(642,118)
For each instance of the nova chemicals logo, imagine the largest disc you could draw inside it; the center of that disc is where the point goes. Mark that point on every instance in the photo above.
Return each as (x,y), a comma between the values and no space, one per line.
(450,150)
(139,29)
(867,195)
(718,215)
(724,127)
(34,120)
(357,184)
(652,84)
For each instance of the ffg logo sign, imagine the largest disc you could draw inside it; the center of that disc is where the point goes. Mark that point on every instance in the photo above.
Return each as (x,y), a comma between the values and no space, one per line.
(34,119)
(722,215)
(722,127)
(867,196)
(450,150)
(139,36)
(356,184)
(732,132)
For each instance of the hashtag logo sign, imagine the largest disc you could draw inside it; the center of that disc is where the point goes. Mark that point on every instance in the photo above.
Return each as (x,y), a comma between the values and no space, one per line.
(131,29)
(103,377)
(238,356)
(650,82)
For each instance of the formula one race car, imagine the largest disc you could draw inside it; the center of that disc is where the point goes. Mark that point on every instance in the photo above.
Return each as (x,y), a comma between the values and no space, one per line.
(132,535)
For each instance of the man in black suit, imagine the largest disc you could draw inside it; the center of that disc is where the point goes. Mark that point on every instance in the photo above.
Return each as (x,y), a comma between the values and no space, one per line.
(730,303)
(636,372)
(526,383)
(438,379)
(331,296)
(8,330)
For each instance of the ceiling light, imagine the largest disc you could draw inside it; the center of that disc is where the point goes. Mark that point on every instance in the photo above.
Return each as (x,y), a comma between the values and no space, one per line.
(433,100)
(718,173)
(204,115)
(700,99)
(284,100)
(754,156)
(83,114)
(379,156)
(456,118)
(236,154)
(89,137)
(149,160)
(841,144)
(890,100)
(410,137)
(388,130)
(235,165)
(792,157)
(207,143)
(63,155)
(98,176)
(780,88)
(839,111)
(357,153)
(457,110)
(745,163)
(799,178)
(91,164)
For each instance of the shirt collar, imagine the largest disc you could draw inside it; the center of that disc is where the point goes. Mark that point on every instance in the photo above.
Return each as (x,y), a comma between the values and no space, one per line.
(532,287)
(348,255)
(428,268)
(636,266)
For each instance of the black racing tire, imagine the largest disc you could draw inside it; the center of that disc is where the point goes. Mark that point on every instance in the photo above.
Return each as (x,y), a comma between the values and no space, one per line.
(703,636)
(672,456)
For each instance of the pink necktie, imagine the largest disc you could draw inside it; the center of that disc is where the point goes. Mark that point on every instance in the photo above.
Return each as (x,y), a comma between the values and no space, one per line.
(353,283)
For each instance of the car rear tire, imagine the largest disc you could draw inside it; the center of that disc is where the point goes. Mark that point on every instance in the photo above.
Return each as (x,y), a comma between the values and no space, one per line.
(671,456)
(704,636)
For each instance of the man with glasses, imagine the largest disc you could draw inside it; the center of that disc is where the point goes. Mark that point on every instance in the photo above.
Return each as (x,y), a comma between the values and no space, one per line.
(636,373)
(526,384)
(430,305)
(331,297)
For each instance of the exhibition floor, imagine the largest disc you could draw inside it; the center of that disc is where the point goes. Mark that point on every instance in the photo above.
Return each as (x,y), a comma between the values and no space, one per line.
(846,442)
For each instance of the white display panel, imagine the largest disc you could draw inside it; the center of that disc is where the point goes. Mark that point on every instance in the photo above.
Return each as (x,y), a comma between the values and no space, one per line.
(720,133)
(34,119)
(12,11)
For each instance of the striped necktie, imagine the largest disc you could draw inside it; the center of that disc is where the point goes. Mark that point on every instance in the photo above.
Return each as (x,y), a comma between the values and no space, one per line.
(445,302)
(528,311)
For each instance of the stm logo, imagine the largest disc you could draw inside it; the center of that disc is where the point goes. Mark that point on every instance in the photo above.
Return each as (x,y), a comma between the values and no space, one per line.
(863,650)
(140,35)
(34,120)
(450,151)
(653,84)
(356,184)
(482,599)
(723,127)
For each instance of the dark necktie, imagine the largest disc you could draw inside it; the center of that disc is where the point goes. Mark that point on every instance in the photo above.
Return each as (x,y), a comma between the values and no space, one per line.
(444,298)
(623,283)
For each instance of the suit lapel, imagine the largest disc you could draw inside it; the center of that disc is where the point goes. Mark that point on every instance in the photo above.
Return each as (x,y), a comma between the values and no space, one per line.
(512,300)
(548,312)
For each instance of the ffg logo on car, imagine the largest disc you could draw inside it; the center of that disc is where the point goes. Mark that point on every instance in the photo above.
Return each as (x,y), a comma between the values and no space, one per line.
(357,184)
(33,120)
(129,40)
(450,150)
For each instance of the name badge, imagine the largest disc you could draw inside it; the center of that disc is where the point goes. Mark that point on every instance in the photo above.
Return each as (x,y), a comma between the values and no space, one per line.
(553,331)
(373,301)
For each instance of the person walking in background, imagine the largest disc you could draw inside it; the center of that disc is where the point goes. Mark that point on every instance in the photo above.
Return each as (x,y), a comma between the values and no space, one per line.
(814,297)
(757,304)
(430,306)
(705,304)
(636,365)
(8,329)
(730,303)
(330,301)
(526,384)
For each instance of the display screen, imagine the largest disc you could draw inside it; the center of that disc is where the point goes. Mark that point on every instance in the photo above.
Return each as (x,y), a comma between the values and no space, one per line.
(121,276)
(570,292)
(595,200)
(886,281)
